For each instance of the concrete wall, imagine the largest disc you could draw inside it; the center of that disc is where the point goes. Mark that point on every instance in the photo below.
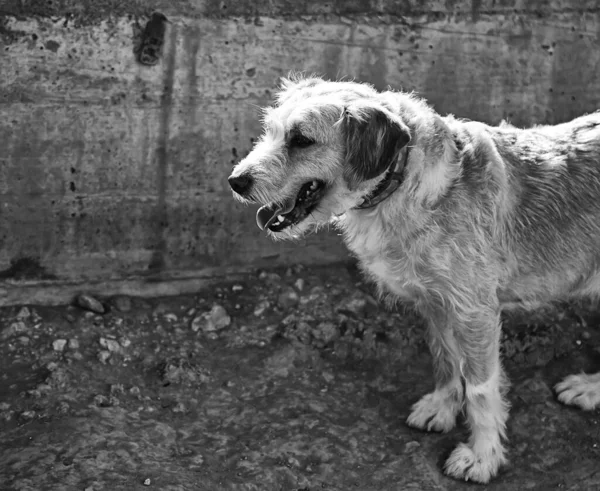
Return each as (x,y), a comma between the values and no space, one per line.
(110,169)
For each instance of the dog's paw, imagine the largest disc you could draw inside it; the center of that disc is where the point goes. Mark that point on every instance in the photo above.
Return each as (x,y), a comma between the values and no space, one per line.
(434,412)
(580,390)
(466,465)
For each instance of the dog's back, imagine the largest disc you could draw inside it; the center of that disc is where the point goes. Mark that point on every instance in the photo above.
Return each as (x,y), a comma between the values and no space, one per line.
(552,206)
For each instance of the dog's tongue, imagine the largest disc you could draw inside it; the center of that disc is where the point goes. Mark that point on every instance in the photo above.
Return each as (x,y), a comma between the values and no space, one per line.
(268,213)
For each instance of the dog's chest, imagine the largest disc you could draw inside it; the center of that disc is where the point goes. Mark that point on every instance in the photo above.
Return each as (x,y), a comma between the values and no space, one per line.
(384,260)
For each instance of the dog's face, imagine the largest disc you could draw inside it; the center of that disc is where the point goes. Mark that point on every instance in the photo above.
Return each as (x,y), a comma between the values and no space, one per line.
(325,146)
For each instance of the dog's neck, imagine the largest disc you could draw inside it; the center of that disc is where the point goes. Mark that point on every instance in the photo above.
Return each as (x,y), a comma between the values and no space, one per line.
(390,183)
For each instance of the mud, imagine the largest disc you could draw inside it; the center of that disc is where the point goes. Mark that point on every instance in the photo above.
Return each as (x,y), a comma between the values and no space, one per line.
(289,380)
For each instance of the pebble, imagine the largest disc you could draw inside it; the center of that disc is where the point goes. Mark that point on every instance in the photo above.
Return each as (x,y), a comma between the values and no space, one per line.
(110,344)
(237,288)
(261,308)
(147,482)
(15,328)
(103,356)
(59,344)
(287,299)
(24,340)
(213,320)
(586,335)
(27,415)
(73,344)
(411,446)
(170,317)
(117,389)
(197,323)
(356,306)
(101,401)
(88,302)
(125,342)
(299,284)
(4,406)
(122,303)
(326,331)
(24,313)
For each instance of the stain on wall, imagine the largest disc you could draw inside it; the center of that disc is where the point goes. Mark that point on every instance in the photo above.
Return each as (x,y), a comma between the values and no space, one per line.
(111,168)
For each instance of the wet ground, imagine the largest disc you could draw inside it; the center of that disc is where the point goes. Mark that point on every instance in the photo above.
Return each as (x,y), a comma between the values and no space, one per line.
(291,380)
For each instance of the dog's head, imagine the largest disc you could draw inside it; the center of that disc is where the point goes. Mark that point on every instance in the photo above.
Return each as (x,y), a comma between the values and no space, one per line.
(325,147)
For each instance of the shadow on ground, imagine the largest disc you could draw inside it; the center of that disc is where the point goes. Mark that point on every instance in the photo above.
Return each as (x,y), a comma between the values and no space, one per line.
(295,380)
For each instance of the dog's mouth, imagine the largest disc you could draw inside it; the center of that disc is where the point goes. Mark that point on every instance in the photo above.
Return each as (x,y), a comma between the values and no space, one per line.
(277,217)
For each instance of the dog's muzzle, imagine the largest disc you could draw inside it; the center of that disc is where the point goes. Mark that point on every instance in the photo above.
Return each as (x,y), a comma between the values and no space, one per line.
(279,216)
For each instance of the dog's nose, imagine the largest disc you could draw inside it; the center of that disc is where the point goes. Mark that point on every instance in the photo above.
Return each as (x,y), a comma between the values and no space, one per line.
(241,184)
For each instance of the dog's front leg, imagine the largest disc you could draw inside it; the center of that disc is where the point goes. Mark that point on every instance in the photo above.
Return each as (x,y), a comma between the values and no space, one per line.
(486,408)
(437,410)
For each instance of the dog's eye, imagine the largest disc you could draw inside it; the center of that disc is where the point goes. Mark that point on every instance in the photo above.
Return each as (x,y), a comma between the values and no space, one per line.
(300,141)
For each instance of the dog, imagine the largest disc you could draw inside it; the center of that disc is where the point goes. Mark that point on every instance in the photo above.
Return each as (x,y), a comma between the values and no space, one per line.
(459,218)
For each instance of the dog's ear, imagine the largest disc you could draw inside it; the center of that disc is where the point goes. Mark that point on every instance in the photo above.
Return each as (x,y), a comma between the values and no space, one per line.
(373,139)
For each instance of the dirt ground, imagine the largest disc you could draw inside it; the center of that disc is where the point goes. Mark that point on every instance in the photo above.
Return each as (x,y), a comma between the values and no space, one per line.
(292,380)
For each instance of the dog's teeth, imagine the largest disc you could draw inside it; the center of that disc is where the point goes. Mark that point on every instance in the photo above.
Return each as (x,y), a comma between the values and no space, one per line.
(313,185)
(280,218)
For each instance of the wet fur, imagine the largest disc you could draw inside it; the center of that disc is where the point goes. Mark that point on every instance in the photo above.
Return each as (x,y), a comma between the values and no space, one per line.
(487,218)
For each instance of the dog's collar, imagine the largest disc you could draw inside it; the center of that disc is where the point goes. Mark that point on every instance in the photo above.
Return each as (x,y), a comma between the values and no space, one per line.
(390,183)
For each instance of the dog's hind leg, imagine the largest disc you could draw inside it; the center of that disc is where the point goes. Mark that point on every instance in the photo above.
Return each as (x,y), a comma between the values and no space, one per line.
(437,410)
(486,408)
(582,390)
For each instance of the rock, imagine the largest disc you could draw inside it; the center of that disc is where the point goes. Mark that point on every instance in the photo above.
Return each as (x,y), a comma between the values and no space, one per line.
(122,303)
(272,278)
(179,408)
(23,314)
(355,306)
(87,302)
(73,344)
(116,389)
(197,323)
(23,340)
(261,308)
(59,344)
(299,284)
(111,345)
(237,288)
(103,356)
(411,446)
(27,415)
(125,342)
(533,390)
(170,317)
(12,330)
(216,319)
(326,332)
(287,299)
(213,320)
(197,460)
(101,401)
(147,482)
(586,335)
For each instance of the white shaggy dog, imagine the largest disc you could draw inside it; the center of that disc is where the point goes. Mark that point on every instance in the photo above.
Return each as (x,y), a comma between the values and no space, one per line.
(459,218)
